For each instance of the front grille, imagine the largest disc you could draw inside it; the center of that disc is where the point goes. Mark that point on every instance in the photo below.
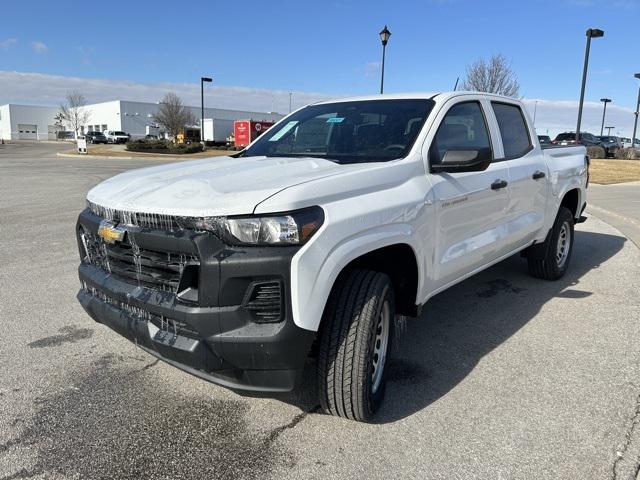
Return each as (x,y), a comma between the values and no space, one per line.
(264,300)
(144,220)
(163,323)
(160,270)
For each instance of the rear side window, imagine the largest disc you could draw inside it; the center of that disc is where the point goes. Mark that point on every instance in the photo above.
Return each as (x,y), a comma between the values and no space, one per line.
(513,128)
(463,128)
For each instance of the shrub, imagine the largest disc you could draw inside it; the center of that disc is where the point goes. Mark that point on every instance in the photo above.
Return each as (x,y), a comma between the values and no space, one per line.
(162,146)
(628,154)
(596,152)
(145,145)
(184,148)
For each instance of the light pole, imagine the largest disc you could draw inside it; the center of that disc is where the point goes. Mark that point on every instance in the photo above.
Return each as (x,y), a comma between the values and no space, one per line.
(637,112)
(290,93)
(384,38)
(535,111)
(604,112)
(202,80)
(591,33)
(609,130)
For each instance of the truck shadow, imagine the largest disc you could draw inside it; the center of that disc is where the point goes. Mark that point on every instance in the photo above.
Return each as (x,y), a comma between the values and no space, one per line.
(460,326)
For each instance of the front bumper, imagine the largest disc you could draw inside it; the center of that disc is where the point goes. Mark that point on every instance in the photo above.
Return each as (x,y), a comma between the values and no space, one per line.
(215,333)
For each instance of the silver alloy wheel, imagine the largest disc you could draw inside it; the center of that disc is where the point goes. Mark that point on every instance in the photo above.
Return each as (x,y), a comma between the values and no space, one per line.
(380,346)
(564,243)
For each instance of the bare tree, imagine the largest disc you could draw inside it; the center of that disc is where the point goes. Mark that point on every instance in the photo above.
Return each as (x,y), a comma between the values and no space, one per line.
(173,115)
(494,76)
(74,111)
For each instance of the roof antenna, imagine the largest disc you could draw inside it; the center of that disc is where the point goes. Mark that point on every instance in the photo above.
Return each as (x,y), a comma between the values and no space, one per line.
(455,87)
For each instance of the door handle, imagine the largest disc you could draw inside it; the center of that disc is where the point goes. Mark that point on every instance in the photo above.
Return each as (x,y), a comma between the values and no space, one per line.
(498,184)
(538,174)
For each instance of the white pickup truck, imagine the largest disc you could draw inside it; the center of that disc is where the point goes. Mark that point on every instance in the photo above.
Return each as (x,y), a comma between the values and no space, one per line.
(315,238)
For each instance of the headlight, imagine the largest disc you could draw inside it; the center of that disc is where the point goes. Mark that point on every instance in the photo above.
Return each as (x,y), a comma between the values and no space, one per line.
(291,228)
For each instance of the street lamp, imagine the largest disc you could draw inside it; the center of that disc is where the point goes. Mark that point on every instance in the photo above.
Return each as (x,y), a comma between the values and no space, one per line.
(609,130)
(384,38)
(591,33)
(202,80)
(637,112)
(604,112)
(290,94)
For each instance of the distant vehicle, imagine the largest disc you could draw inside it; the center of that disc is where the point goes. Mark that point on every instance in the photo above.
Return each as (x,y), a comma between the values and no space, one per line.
(95,137)
(116,136)
(544,139)
(611,145)
(569,138)
(150,136)
(626,142)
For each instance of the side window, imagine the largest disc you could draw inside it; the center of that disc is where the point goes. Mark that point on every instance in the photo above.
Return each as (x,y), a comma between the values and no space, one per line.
(513,128)
(462,128)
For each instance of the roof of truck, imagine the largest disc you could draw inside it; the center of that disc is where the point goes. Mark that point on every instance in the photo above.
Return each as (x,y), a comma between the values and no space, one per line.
(442,96)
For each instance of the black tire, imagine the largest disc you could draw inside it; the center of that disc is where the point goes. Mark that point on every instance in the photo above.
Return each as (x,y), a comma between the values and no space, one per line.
(550,267)
(349,335)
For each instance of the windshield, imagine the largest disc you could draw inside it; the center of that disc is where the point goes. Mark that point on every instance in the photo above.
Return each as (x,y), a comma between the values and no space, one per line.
(347,132)
(119,133)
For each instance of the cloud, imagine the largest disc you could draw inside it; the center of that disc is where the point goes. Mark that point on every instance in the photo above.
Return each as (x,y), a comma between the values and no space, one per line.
(372,69)
(5,44)
(556,116)
(44,89)
(39,47)
(85,54)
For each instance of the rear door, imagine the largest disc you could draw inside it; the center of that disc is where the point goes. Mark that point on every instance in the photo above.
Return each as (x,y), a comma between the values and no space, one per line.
(529,176)
(470,206)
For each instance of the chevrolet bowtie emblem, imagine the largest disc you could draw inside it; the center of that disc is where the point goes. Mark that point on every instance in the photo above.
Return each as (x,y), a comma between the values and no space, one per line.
(109,232)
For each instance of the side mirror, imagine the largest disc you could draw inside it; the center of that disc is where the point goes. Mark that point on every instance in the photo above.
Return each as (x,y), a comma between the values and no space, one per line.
(463,160)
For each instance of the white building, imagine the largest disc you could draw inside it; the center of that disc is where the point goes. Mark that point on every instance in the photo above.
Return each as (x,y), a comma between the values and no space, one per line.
(26,122)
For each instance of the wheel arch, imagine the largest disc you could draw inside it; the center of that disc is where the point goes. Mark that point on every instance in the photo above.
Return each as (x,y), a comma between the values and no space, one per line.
(571,200)
(315,272)
(399,262)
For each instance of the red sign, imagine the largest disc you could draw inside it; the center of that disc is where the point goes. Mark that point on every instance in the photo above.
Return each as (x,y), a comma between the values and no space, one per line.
(246,131)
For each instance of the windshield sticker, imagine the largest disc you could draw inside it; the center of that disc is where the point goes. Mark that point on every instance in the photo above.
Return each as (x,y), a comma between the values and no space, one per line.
(335,120)
(283,131)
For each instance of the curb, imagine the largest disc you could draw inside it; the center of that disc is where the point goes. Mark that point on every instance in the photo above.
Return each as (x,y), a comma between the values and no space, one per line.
(75,155)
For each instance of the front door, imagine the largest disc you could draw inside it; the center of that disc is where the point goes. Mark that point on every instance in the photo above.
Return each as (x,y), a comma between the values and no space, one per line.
(470,206)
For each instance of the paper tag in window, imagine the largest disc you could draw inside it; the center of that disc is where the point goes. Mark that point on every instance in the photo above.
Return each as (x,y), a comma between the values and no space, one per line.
(283,131)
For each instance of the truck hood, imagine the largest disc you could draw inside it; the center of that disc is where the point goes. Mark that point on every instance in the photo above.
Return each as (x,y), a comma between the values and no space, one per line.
(209,187)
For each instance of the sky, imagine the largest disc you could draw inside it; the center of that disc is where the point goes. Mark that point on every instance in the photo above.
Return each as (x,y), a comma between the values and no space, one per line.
(257,51)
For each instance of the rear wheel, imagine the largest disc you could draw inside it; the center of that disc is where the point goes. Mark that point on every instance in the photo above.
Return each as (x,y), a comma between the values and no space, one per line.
(555,262)
(355,344)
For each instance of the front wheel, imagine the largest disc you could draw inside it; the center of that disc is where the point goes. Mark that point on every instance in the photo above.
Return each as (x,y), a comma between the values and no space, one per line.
(355,344)
(555,262)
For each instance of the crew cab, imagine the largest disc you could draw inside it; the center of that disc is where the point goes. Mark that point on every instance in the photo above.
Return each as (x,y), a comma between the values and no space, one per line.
(318,236)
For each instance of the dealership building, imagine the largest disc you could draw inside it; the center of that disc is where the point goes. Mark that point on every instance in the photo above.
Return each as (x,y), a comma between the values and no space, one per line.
(30,122)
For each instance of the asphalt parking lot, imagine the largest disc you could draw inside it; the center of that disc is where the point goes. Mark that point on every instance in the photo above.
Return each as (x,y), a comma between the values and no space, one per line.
(503,376)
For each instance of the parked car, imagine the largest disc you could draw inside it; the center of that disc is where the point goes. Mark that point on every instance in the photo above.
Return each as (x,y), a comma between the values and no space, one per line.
(339,218)
(116,136)
(150,136)
(569,138)
(611,145)
(95,137)
(544,139)
(626,142)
